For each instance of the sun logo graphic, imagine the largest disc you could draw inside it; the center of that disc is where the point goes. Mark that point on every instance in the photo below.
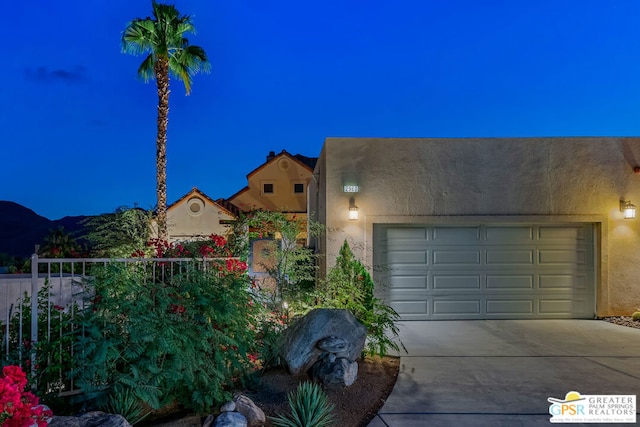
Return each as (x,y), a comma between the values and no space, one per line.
(571,405)
(576,407)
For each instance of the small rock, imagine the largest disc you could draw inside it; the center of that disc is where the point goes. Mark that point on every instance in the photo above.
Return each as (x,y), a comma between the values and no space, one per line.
(254,415)
(230,419)
(341,372)
(228,407)
(208,422)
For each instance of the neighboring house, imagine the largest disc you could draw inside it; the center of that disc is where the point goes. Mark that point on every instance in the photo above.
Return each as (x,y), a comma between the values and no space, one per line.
(487,228)
(280,184)
(196,216)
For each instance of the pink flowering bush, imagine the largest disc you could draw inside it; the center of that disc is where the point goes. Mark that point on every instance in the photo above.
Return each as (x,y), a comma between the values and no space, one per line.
(19,408)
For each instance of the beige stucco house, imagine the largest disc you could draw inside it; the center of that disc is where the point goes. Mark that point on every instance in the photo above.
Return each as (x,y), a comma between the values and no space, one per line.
(196,216)
(487,227)
(279,184)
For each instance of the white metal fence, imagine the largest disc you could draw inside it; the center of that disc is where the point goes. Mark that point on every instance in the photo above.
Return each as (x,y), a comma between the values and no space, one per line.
(57,287)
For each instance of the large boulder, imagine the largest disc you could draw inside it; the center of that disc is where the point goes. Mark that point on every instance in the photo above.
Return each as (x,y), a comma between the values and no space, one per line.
(299,346)
(90,419)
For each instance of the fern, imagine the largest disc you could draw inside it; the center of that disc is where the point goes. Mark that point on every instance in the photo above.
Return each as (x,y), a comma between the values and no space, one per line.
(139,340)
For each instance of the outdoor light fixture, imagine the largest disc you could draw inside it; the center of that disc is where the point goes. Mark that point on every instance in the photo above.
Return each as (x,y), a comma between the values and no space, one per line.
(353,210)
(628,208)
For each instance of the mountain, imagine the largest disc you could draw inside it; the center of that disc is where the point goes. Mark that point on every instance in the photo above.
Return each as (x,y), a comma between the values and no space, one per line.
(21,228)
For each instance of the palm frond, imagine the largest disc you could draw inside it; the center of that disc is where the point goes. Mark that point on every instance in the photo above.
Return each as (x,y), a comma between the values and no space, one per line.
(146,70)
(163,36)
(137,38)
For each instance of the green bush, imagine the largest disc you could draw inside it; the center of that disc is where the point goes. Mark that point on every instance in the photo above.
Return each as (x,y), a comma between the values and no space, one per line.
(56,334)
(183,341)
(310,407)
(636,315)
(349,286)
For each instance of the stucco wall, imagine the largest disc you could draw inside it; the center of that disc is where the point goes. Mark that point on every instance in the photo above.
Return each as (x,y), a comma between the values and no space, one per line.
(472,180)
(282,172)
(183,225)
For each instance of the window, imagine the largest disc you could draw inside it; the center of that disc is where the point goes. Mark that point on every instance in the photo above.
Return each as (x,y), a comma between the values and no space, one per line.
(196,206)
(267,188)
(298,188)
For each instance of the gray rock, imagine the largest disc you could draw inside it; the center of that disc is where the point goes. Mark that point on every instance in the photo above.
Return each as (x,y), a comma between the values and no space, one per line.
(340,372)
(90,419)
(254,415)
(208,422)
(230,419)
(57,421)
(333,345)
(298,347)
(228,407)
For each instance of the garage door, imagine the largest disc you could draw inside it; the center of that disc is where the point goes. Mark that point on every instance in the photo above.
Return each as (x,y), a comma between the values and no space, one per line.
(486,271)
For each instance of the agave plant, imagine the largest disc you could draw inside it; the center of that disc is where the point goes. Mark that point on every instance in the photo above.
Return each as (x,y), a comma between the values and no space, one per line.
(125,403)
(310,407)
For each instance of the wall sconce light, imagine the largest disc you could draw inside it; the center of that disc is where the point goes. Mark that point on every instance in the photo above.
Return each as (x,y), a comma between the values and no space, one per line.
(628,208)
(353,210)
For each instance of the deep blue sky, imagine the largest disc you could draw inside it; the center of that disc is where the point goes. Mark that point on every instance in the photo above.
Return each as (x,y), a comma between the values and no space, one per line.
(77,128)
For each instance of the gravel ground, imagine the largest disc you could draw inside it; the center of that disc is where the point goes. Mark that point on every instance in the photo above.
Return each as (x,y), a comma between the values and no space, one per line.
(624,321)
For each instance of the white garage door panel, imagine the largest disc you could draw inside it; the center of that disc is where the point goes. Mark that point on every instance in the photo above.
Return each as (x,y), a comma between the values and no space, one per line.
(568,282)
(505,282)
(514,307)
(562,256)
(417,308)
(408,257)
(487,271)
(463,257)
(564,232)
(456,307)
(504,235)
(560,306)
(450,235)
(456,282)
(515,256)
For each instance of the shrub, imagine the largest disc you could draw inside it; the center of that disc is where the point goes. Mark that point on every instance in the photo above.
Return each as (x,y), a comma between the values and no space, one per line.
(19,407)
(183,340)
(286,260)
(349,286)
(310,407)
(636,315)
(53,350)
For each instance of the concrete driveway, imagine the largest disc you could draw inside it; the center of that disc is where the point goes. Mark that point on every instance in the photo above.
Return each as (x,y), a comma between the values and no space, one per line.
(501,372)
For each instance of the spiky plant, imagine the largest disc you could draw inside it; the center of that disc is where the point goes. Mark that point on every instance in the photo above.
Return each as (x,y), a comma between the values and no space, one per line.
(128,405)
(310,407)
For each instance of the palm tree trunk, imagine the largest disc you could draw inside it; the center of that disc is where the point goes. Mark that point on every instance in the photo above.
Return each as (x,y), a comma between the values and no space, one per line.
(162,79)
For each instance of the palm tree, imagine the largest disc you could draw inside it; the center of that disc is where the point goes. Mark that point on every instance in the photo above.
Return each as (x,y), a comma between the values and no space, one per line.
(169,53)
(59,244)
